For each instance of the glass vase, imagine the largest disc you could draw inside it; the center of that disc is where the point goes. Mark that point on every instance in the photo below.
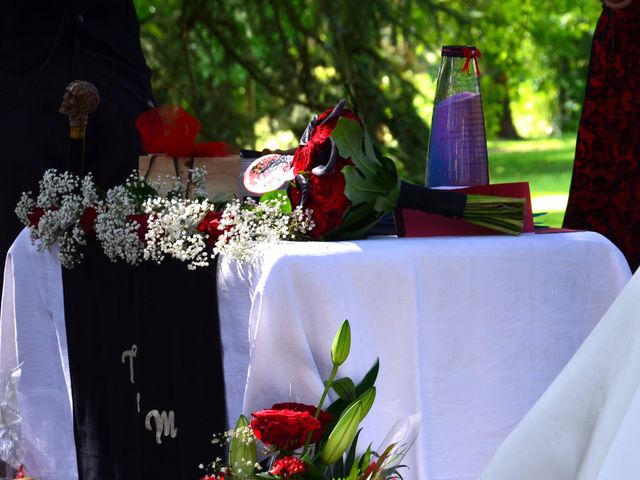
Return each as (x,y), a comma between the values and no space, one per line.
(458,141)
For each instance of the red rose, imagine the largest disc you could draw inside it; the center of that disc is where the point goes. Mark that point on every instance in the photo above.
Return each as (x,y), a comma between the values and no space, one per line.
(210,225)
(141,219)
(324,417)
(34,217)
(287,467)
(324,221)
(285,429)
(88,220)
(327,191)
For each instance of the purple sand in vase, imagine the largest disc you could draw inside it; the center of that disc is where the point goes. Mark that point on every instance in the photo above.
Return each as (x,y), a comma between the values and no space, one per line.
(458,144)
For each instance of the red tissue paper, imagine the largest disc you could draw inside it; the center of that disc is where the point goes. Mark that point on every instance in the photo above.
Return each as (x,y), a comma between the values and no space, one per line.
(172,131)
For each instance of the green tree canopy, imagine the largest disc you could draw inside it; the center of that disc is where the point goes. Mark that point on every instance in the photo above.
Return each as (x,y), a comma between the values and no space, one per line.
(250,68)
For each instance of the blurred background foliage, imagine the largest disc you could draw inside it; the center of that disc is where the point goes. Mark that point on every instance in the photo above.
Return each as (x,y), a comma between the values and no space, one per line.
(254,71)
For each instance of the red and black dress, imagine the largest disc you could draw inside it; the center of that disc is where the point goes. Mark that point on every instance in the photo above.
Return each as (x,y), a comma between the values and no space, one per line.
(605,188)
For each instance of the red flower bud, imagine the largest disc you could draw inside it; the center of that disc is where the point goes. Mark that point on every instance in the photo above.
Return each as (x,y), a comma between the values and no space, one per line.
(88,221)
(210,225)
(288,467)
(34,216)
(141,219)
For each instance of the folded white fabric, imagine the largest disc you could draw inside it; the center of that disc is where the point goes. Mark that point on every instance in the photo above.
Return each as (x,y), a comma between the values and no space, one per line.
(587,424)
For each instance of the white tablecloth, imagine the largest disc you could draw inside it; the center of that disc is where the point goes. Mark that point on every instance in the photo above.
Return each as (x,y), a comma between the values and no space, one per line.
(469,331)
(33,335)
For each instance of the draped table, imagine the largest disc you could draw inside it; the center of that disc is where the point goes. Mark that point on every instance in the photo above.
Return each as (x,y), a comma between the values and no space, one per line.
(469,332)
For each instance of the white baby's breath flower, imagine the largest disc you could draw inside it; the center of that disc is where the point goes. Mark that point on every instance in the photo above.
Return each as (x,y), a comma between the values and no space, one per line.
(59,207)
(133,223)
(247,223)
(173,231)
(118,226)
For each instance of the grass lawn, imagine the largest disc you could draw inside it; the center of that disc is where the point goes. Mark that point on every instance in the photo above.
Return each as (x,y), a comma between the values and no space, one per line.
(546,164)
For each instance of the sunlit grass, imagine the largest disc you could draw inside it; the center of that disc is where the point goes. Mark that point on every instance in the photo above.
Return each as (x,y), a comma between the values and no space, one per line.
(546,164)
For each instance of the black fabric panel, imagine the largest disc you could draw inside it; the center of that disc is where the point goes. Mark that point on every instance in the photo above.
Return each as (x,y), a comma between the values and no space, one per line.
(170,314)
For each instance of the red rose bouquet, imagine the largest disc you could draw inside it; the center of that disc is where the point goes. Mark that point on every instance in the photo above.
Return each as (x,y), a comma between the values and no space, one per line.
(349,185)
(305,442)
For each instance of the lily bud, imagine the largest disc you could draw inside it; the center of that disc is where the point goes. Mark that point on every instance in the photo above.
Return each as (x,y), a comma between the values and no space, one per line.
(341,344)
(366,401)
(343,434)
(241,453)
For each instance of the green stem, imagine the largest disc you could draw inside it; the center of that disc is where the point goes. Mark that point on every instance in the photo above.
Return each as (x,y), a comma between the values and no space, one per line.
(327,387)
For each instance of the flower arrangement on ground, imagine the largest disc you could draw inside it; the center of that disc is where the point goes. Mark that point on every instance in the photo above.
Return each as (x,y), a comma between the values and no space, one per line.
(306,442)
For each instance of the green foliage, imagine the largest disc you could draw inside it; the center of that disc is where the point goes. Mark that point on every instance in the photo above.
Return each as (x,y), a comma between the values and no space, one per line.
(246,68)
(371,184)
(545,163)
(278,197)
(345,388)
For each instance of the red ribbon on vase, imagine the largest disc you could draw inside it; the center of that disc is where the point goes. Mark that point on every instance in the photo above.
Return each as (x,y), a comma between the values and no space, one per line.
(471,53)
(171,130)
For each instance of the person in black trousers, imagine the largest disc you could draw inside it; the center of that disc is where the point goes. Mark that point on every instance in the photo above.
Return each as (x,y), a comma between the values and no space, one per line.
(44,45)
(160,425)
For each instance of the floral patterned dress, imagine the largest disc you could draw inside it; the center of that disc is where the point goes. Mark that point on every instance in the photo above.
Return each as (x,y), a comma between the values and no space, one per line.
(605,188)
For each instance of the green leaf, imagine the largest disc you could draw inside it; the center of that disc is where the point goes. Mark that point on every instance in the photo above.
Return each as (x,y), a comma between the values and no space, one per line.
(345,388)
(341,344)
(348,137)
(279,196)
(369,149)
(350,462)
(312,471)
(369,379)
(361,189)
(140,190)
(357,222)
(365,459)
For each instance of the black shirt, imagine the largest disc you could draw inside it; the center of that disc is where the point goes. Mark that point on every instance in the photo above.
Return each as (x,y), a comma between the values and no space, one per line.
(31,30)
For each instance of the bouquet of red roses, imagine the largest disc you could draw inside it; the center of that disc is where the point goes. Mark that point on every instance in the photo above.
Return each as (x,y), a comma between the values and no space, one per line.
(349,185)
(305,442)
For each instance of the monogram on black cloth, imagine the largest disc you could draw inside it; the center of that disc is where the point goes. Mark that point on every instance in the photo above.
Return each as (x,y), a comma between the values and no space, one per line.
(146,368)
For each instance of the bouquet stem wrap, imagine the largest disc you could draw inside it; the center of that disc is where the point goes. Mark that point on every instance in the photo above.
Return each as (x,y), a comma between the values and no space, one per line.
(503,214)
(439,202)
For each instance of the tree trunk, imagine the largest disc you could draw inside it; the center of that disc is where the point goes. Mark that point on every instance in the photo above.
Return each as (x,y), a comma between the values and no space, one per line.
(507,127)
